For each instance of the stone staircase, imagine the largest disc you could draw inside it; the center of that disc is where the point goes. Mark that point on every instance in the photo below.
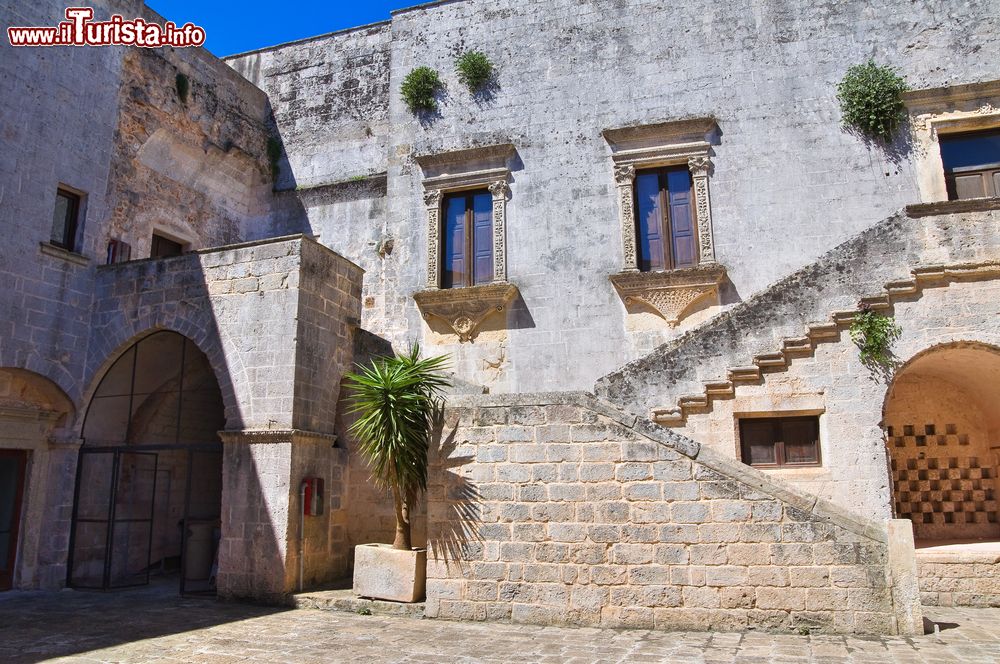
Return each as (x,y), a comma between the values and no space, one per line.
(923,246)
(829,331)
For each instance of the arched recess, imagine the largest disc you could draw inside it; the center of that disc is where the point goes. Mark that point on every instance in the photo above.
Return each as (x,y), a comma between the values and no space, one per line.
(942,422)
(149,478)
(114,342)
(34,414)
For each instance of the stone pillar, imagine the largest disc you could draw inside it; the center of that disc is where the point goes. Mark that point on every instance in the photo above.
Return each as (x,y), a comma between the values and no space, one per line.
(905,582)
(261,477)
(624,178)
(699,167)
(432,199)
(499,190)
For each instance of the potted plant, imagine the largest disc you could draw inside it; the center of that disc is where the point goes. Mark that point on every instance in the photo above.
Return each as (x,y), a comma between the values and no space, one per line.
(394,399)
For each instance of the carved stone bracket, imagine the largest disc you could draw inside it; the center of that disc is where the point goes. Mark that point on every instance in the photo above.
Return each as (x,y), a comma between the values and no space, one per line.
(463,309)
(670,293)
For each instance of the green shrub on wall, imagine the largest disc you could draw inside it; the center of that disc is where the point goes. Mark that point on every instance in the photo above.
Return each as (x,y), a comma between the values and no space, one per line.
(419,89)
(871,100)
(474,70)
(874,335)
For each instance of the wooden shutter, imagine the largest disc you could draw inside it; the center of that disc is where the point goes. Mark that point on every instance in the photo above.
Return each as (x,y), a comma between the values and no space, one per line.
(758,438)
(685,248)
(649,221)
(800,436)
(453,253)
(482,237)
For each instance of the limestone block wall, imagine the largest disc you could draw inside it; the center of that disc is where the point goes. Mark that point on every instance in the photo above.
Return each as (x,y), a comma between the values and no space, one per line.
(959,578)
(561,509)
(783,167)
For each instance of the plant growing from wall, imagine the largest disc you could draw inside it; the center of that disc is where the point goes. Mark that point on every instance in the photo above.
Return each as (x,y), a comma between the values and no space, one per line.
(871,100)
(183,85)
(395,399)
(874,335)
(420,88)
(474,70)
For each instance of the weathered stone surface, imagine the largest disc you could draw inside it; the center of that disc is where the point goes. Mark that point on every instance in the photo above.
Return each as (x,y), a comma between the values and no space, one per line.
(613,546)
(382,572)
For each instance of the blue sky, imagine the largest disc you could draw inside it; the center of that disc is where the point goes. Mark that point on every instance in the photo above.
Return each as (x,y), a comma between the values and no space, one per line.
(234,27)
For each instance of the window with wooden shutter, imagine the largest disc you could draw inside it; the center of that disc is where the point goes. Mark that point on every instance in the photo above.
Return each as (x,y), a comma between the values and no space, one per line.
(467,239)
(971,164)
(665,224)
(780,441)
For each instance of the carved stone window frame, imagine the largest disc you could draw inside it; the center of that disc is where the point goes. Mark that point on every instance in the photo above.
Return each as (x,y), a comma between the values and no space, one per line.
(665,144)
(485,167)
(941,111)
(488,167)
(670,293)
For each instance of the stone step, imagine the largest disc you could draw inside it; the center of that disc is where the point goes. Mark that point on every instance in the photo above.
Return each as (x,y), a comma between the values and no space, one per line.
(844,318)
(797,345)
(904,287)
(770,360)
(824,331)
(719,388)
(876,302)
(668,416)
(693,401)
(344,600)
(744,374)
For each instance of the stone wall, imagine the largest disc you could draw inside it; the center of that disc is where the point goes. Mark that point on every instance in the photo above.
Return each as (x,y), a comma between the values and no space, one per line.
(959,578)
(567,70)
(561,509)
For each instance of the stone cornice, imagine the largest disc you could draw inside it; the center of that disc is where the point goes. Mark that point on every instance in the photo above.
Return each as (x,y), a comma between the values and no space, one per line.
(466,180)
(492,156)
(676,131)
(463,309)
(267,436)
(671,292)
(918,101)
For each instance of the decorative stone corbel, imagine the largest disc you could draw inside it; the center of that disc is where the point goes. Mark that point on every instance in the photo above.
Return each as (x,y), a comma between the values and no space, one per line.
(670,293)
(499,189)
(624,179)
(432,200)
(463,309)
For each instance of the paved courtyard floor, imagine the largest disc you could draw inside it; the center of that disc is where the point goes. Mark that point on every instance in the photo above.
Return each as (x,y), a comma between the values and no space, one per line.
(154,625)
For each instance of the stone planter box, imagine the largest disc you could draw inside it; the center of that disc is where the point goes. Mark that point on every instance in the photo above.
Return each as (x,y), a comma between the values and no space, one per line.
(382,572)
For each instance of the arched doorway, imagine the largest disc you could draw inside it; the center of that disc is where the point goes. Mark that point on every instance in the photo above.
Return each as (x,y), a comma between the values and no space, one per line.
(34,413)
(149,477)
(942,418)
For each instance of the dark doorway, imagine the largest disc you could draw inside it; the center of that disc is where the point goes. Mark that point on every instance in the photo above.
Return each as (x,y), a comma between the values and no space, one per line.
(12,465)
(149,478)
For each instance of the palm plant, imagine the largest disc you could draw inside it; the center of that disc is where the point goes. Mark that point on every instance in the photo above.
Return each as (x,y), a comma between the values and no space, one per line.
(395,397)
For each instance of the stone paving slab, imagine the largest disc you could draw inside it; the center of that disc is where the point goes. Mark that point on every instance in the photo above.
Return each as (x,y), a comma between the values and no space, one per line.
(154,625)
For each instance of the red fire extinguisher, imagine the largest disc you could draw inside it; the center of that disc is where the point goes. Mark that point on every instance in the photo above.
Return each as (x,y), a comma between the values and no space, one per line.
(312,501)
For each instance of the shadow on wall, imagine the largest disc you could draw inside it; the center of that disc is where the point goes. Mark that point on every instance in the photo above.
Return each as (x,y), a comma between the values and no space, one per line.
(453,521)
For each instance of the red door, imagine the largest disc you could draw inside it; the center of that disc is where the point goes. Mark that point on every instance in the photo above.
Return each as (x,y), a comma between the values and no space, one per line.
(12,464)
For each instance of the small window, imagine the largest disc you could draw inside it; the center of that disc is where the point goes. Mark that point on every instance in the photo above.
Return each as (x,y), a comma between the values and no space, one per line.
(165,248)
(467,240)
(971,164)
(65,219)
(780,441)
(664,220)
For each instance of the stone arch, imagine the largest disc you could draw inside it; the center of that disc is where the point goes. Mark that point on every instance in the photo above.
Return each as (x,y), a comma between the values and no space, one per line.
(941,417)
(23,389)
(223,357)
